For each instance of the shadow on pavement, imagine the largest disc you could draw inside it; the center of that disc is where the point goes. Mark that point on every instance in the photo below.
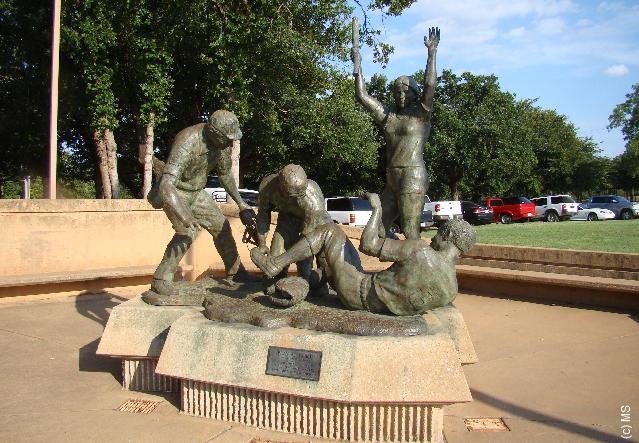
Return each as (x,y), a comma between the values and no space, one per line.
(98,309)
(566,304)
(529,414)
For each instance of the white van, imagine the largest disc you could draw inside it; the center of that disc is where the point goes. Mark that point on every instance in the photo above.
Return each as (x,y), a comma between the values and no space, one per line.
(351,211)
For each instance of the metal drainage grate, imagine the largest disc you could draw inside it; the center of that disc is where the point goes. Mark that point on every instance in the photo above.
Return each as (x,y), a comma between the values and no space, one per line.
(259,440)
(138,406)
(490,424)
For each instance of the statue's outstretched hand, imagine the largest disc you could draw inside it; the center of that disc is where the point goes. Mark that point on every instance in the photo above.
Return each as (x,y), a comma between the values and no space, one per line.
(432,40)
(247,216)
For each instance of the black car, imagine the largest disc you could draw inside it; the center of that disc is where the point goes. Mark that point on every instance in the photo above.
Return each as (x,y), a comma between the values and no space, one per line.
(476,214)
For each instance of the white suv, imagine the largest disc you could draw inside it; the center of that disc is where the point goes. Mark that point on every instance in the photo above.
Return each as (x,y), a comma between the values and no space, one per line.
(352,211)
(218,193)
(553,208)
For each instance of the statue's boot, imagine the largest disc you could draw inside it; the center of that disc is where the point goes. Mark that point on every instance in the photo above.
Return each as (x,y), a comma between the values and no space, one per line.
(272,266)
(317,283)
(163,276)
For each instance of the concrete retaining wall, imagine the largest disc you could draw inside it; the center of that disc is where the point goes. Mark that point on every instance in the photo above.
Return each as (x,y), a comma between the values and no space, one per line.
(77,246)
(557,257)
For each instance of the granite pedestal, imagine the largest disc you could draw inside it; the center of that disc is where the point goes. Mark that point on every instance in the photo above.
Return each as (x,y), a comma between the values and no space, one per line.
(367,388)
(135,333)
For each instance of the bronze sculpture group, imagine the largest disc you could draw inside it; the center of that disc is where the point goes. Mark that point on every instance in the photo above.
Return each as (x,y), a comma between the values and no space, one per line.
(421,277)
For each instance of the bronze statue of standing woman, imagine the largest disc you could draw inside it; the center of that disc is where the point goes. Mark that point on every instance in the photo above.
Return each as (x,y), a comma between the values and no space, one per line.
(406,128)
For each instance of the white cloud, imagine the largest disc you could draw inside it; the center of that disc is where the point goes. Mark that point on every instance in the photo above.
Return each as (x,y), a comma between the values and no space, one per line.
(550,26)
(617,71)
(517,32)
(610,7)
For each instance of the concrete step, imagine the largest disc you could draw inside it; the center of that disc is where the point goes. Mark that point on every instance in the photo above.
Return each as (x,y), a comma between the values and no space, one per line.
(550,287)
(551,268)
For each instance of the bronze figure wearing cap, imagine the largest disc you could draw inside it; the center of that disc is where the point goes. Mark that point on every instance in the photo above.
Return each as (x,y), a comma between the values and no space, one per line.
(195,153)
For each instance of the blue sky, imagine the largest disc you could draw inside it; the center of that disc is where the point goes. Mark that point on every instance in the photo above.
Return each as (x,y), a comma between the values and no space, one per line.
(579,58)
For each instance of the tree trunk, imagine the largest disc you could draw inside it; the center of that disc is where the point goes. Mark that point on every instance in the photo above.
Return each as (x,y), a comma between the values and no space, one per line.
(106,149)
(100,147)
(146,155)
(235,162)
(113,163)
(454,191)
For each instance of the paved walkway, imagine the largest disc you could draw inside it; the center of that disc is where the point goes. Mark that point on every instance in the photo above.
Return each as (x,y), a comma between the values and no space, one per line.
(555,374)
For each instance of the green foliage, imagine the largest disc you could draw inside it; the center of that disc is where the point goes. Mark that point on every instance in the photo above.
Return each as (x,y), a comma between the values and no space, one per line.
(89,38)
(626,115)
(562,156)
(379,88)
(25,40)
(13,188)
(625,168)
(268,61)
(485,143)
(391,7)
(590,176)
(271,62)
(478,146)
(333,140)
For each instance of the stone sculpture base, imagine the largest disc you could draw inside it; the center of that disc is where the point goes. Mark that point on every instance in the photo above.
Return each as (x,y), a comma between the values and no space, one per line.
(369,388)
(135,333)
(139,375)
(349,421)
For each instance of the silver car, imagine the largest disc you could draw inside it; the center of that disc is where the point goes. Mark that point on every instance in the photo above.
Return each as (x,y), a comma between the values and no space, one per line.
(622,207)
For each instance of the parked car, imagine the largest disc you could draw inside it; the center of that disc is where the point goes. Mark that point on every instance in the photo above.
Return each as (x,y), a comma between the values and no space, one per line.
(476,214)
(622,207)
(218,193)
(214,189)
(553,208)
(426,220)
(592,214)
(351,211)
(356,211)
(510,209)
(443,210)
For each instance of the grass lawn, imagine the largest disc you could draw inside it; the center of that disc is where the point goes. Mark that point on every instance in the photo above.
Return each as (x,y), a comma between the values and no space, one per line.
(608,235)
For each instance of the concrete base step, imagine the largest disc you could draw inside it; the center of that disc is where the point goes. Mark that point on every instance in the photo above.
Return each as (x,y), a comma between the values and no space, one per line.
(550,287)
(551,268)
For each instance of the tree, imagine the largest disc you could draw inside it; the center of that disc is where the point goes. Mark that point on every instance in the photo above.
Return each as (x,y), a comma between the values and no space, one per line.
(591,175)
(25,60)
(625,168)
(559,150)
(335,142)
(478,146)
(89,38)
(138,70)
(626,116)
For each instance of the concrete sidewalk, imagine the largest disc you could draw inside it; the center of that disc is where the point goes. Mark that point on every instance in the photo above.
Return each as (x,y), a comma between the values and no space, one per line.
(554,373)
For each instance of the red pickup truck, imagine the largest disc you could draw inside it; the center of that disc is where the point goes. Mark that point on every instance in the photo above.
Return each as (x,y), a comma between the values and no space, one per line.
(511,209)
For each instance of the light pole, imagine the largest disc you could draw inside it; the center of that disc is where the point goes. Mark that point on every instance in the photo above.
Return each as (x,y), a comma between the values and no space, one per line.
(53,117)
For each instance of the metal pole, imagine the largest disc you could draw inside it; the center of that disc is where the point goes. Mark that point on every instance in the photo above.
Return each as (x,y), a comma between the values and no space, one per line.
(53,122)
(26,188)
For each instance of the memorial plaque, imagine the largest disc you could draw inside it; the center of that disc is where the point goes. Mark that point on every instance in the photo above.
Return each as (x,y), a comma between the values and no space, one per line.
(294,363)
